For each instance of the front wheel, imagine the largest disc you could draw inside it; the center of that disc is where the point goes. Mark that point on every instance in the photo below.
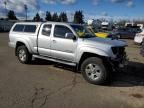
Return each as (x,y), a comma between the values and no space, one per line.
(23,55)
(94,71)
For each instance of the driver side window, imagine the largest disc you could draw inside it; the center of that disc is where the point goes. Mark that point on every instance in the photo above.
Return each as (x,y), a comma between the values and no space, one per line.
(60,31)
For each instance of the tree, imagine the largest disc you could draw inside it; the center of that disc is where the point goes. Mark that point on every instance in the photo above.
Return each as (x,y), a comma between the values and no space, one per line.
(55,17)
(11,15)
(121,23)
(48,16)
(1,18)
(79,17)
(37,17)
(63,17)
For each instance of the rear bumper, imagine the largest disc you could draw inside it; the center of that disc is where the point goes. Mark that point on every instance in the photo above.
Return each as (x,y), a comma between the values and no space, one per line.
(11,44)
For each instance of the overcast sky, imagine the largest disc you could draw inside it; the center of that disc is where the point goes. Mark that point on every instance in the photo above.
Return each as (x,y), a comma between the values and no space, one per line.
(117,9)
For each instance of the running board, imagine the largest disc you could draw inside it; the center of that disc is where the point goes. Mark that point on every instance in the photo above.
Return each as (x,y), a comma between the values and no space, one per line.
(54,60)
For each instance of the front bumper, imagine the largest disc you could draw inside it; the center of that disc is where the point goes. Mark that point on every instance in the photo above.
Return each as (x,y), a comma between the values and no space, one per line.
(119,63)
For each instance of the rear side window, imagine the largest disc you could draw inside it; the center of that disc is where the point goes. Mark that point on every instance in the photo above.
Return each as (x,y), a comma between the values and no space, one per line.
(25,28)
(18,28)
(30,28)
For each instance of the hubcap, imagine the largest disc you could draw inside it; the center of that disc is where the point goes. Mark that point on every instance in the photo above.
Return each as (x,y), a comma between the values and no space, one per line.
(22,55)
(93,71)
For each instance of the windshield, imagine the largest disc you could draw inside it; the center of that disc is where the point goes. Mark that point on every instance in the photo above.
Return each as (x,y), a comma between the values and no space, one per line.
(82,31)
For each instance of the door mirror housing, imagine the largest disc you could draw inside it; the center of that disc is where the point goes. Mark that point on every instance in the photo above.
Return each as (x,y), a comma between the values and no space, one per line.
(70,36)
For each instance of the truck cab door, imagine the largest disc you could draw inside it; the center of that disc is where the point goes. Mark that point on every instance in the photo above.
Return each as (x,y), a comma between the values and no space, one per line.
(61,47)
(44,40)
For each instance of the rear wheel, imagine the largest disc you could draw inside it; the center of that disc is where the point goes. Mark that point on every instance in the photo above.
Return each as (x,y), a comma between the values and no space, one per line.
(94,71)
(23,55)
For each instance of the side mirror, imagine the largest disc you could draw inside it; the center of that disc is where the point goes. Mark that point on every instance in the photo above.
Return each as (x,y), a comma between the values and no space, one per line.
(70,36)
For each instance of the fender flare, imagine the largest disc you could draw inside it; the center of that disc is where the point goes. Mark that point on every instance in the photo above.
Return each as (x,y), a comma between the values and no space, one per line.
(25,43)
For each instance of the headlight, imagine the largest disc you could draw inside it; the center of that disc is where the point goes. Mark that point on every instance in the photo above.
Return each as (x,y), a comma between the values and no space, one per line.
(118,50)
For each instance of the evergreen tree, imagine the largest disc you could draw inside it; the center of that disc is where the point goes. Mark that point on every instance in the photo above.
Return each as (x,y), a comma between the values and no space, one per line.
(63,17)
(37,18)
(11,15)
(79,17)
(48,16)
(55,17)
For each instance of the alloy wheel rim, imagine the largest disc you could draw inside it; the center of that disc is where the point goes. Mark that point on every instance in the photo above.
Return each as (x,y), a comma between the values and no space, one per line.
(93,71)
(22,55)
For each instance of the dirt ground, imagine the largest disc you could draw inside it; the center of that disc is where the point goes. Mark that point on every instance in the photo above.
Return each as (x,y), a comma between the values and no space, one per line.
(44,84)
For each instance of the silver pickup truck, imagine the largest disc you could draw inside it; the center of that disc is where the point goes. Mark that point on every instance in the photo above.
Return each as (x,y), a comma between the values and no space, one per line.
(70,44)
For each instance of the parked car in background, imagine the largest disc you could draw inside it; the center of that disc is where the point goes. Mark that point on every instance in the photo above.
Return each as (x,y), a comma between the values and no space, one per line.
(99,32)
(139,37)
(5,26)
(127,33)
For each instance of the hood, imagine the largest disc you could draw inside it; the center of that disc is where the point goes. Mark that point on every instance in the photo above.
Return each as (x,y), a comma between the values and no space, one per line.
(105,42)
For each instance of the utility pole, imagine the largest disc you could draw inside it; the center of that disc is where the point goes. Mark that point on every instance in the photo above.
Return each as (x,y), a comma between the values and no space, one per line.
(5,3)
(26,8)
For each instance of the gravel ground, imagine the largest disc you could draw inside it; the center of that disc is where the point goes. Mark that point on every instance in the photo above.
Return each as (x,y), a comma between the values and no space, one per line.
(44,84)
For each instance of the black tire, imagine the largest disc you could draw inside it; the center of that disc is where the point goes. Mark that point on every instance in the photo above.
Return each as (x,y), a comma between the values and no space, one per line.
(28,57)
(104,76)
